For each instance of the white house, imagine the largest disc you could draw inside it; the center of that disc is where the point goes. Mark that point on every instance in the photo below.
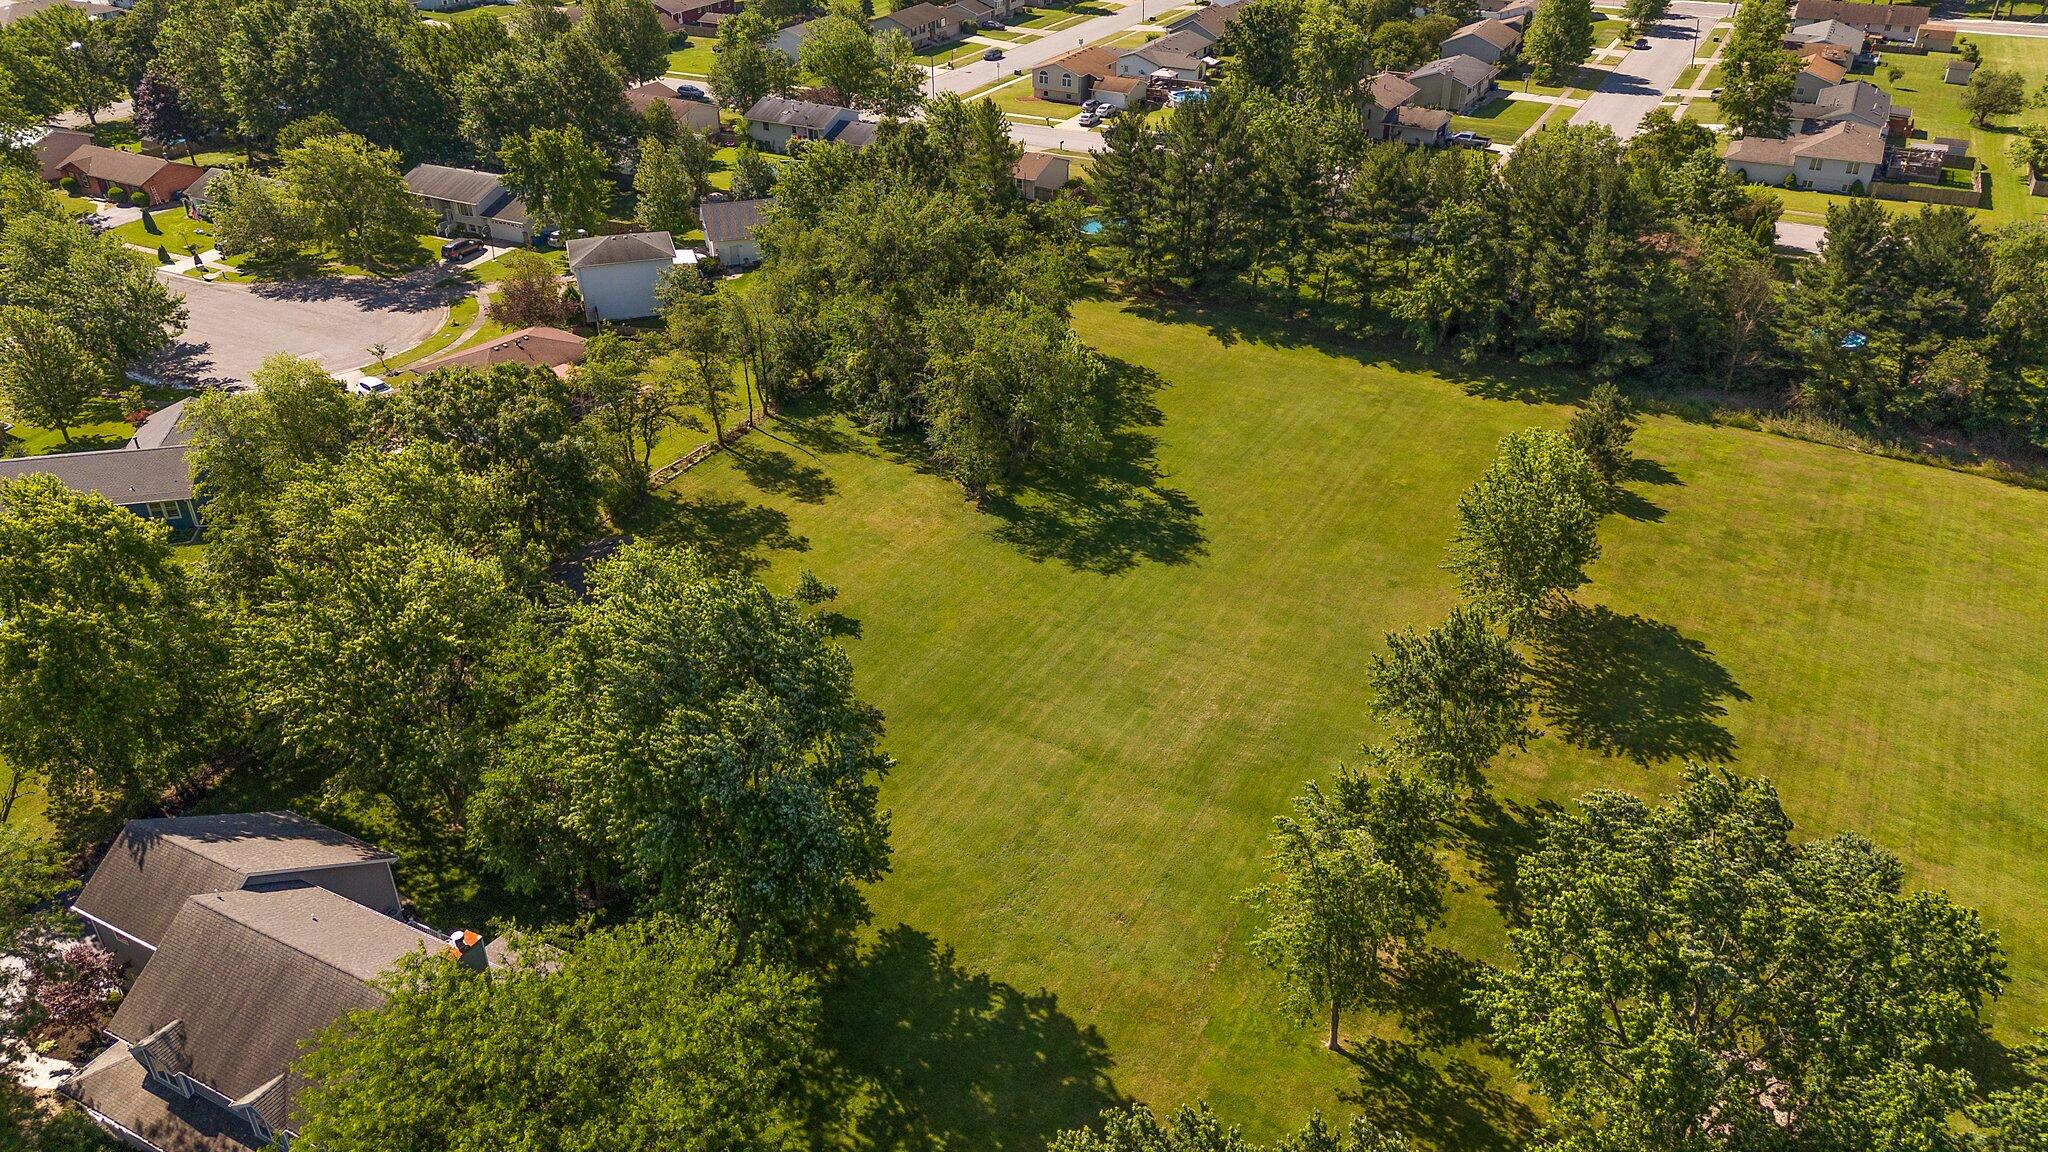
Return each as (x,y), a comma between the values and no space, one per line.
(729,227)
(1845,157)
(617,274)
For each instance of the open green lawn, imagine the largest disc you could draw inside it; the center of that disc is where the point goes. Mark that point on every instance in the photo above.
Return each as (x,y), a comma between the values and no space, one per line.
(103,426)
(174,230)
(695,59)
(1502,119)
(1017,100)
(1099,695)
(1705,110)
(1938,111)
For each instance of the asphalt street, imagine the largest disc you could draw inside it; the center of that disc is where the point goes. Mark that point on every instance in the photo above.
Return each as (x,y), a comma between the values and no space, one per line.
(332,321)
(1020,58)
(1637,82)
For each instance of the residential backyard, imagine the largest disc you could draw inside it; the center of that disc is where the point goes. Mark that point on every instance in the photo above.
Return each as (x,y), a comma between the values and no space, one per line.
(1101,692)
(695,58)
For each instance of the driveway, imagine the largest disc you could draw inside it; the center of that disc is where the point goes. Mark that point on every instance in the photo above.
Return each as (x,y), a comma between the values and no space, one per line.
(331,321)
(1641,77)
(1802,238)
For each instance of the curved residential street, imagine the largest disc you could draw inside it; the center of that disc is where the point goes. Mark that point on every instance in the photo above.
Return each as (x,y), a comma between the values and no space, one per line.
(332,321)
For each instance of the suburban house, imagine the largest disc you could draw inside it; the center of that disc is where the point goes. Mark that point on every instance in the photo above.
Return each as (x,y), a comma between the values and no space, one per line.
(790,40)
(55,148)
(1835,160)
(1487,40)
(1394,116)
(1119,92)
(95,170)
(204,1041)
(551,348)
(1176,56)
(1071,78)
(1211,22)
(778,122)
(1939,37)
(1900,23)
(198,201)
(471,202)
(696,115)
(1829,37)
(165,428)
(1852,103)
(154,866)
(1515,15)
(1816,75)
(153,483)
(923,24)
(616,275)
(729,228)
(1958,71)
(1040,175)
(1455,84)
(693,17)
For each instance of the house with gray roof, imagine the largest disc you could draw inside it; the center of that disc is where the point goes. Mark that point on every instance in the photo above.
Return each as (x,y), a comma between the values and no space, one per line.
(154,483)
(778,122)
(1837,159)
(729,230)
(1485,39)
(154,866)
(1854,102)
(923,24)
(1455,84)
(204,1042)
(1896,22)
(1183,55)
(470,202)
(617,275)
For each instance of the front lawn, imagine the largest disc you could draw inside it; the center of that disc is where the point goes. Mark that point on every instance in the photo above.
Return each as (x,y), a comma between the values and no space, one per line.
(1018,101)
(169,227)
(1100,693)
(1503,119)
(695,58)
(102,426)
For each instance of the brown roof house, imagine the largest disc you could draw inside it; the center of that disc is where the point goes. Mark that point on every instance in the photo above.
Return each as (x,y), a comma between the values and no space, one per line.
(1896,22)
(1040,175)
(551,348)
(1455,84)
(1489,40)
(471,202)
(1071,78)
(1816,75)
(1938,37)
(1843,158)
(1211,22)
(55,148)
(696,115)
(204,1042)
(923,24)
(1394,116)
(96,170)
(155,865)
(1180,55)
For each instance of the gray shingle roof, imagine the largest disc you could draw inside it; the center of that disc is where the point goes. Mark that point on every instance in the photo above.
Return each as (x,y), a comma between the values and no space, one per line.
(164,428)
(1494,32)
(728,220)
(122,475)
(115,1086)
(254,974)
(456,185)
(1467,70)
(796,113)
(624,248)
(155,865)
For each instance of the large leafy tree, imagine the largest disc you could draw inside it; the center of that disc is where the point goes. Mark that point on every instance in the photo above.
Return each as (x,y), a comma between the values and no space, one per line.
(1560,38)
(1353,886)
(351,196)
(372,647)
(1528,528)
(1993,93)
(514,421)
(47,376)
(552,82)
(246,447)
(647,1035)
(1455,695)
(1757,73)
(560,175)
(1011,386)
(1691,978)
(747,67)
(670,179)
(630,33)
(105,663)
(103,294)
(699,746)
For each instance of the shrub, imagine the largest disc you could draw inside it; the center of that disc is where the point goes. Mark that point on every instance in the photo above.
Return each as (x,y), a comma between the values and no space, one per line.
(139,198)
(1855,187)
(1791,181)
(68,184)
(115,193)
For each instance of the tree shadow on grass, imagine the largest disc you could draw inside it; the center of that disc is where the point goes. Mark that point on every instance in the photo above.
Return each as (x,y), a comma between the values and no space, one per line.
(1634,505)
(1631,686)
(1496,834)
(957,1060)
(1439,1100)
(772,470)
(732,533)
(1117,514)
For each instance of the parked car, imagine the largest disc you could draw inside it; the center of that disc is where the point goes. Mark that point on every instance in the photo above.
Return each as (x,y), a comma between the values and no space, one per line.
(691,92)
(456,251)
(1471,140)
(992,54)
(1090,119)
(370,386)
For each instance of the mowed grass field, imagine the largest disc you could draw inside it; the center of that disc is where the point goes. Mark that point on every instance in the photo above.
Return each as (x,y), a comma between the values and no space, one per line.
(1099,697)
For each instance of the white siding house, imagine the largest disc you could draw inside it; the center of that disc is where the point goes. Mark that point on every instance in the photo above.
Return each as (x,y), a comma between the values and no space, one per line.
(617,274)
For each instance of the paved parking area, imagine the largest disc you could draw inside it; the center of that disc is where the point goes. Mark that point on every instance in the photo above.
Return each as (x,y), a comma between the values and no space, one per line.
(331,321)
